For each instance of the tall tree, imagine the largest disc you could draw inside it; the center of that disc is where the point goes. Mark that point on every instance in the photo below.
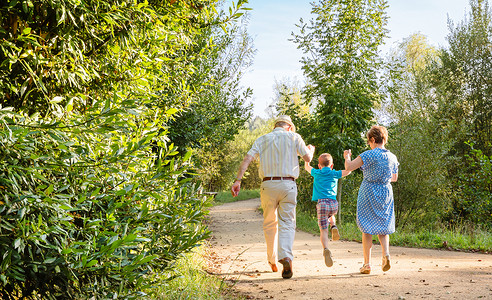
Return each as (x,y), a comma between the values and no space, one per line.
(219,107)
(88,210)
(464,80)
(421,190)
(463,86)
(341,63)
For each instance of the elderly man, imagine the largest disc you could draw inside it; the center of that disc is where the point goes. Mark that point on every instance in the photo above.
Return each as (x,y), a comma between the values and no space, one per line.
(278,152)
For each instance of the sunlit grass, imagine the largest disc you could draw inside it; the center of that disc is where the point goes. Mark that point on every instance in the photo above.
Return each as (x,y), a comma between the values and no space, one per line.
(226,197)
(193,282)
(458,238)
(446,238)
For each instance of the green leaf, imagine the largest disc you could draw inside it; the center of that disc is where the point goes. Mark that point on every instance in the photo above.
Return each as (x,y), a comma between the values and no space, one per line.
(91,263)
(49,260)
(56,99)
(171,111)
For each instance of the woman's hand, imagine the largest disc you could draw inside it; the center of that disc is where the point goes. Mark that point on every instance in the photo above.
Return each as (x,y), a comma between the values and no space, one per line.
(347,154)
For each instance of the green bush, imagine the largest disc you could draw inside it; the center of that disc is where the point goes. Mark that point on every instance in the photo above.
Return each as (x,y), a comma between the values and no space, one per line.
(90,212)
(475,201)
(94,195)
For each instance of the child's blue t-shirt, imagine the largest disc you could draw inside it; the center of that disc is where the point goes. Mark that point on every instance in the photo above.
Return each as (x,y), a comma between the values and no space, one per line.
(325,183)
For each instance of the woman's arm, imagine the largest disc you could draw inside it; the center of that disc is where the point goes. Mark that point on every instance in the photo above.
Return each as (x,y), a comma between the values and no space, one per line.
(351,165)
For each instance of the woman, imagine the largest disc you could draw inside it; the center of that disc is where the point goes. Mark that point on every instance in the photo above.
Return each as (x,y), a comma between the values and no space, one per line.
(375,206)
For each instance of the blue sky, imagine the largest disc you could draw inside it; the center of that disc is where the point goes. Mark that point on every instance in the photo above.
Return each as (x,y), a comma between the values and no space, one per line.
(272,21)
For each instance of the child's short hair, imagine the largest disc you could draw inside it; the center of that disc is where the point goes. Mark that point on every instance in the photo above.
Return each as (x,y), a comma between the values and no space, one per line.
(325,159)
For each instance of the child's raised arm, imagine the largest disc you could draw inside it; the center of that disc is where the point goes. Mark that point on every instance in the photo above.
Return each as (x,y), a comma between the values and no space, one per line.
(308,167)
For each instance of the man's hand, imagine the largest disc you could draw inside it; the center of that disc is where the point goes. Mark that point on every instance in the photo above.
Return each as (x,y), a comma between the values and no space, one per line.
(235,188)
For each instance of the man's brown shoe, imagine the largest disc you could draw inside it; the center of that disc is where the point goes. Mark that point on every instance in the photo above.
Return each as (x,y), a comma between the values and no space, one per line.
(287,263)
(273,266)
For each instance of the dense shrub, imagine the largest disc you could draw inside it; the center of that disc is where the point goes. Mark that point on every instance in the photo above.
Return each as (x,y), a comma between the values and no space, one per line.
(79,217)
(94,195)
(475,196)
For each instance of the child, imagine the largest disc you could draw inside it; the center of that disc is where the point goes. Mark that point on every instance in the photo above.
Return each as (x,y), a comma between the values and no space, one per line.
(325,193)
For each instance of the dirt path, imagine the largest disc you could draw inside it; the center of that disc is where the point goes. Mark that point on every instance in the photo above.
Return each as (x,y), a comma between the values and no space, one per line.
(240,252)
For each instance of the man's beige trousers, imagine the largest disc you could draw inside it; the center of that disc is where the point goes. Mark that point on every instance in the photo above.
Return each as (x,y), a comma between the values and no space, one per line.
(278,201)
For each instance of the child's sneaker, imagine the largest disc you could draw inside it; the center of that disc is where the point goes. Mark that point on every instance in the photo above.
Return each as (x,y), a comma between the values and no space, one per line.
(328,259)
(366,269)
(335,236)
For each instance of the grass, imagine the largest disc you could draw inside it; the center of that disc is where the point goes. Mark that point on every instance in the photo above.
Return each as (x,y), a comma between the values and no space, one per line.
(458,238)
(226,197)
(443,238)
(193,282)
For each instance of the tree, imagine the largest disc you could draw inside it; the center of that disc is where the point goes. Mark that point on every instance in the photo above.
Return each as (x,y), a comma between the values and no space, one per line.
(341,64)
(218,108)
(465,91)
(422,188)
(88,209)
(463,86)
(288,99)
(219,167)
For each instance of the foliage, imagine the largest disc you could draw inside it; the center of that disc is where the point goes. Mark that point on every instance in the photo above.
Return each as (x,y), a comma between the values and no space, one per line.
(463,90)
(79,217)
(348,193)
(475,201)
(94,197)
(341,63)
(305,189)
(439,101)
(463,81)
(217,110)
(422,191)
(65,51)
(462,238)
(219,165)
(288,99)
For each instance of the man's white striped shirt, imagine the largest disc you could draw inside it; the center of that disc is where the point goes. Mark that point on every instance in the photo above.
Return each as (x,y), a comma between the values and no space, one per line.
(278,152)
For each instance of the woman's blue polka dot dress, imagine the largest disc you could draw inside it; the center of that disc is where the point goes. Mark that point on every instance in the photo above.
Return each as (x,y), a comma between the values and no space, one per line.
(375,205)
